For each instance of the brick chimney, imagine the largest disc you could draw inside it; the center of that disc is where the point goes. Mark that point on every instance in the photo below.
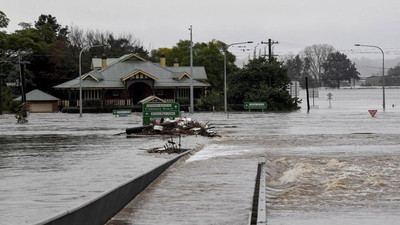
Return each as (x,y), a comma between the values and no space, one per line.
(176,62)
(103,61)
(162,60)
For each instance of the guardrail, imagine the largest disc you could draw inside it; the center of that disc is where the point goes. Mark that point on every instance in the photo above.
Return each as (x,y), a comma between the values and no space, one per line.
(101,209)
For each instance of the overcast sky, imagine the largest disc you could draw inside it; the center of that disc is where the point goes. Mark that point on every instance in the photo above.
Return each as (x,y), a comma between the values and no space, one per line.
(295,24)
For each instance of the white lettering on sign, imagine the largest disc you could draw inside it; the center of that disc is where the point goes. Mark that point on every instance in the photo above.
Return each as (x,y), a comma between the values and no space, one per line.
(162,113)
(123,111)
(256,104)
(159,105)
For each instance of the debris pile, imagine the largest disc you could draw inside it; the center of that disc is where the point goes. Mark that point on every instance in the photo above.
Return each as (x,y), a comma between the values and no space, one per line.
(182,126)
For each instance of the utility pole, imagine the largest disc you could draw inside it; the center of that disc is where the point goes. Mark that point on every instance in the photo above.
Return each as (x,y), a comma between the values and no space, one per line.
(270,43)
(1,90)
(269,49)
(22,77)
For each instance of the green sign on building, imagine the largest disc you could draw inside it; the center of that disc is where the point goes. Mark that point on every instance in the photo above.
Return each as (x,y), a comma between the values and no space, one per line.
(157,110)
(255,105)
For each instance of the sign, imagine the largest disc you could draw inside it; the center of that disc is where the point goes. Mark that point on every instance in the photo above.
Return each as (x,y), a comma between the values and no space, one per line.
(157,110)
(372,112)
(330,99)
(255,105)
(122,112)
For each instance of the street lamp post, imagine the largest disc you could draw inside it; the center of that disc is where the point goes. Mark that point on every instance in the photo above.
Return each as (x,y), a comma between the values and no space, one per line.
(383,70)
(225,50)
(191,108)
(80,75)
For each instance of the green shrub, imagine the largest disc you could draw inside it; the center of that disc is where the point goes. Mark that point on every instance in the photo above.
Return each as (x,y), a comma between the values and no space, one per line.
(207,102)
(8,100)
(21,113)
(68,109)
(91,102)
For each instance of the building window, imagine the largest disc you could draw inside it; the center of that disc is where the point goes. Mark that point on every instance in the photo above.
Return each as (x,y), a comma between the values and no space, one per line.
(159,93)
(183,93)
(115,93)
(91,94)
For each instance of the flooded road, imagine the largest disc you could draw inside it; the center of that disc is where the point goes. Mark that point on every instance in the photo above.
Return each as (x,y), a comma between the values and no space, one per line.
(59,161)
(329,166)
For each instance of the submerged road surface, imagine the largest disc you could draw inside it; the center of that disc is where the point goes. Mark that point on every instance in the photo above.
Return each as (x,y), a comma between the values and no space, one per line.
(331,166)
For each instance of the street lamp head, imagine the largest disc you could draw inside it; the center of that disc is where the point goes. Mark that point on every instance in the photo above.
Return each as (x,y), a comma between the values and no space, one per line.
(250,42)
(357,45)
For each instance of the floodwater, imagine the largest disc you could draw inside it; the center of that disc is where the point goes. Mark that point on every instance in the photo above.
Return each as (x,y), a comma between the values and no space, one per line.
(330,166)
(58,161)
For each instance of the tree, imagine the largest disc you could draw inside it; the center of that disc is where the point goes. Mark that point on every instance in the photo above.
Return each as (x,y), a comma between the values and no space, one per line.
(117,46)
(295,67)
(317,56)
(210,55)
(261,80)
(3,20)
(337,68)
(211,101)
(49,29)
(54,50)
(395,71)
(25,25)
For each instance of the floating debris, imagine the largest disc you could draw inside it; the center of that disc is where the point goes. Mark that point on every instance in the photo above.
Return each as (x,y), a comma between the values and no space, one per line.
(170,147)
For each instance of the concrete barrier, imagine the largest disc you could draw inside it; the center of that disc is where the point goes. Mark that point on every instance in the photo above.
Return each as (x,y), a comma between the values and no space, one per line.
(258,214)
(101,209)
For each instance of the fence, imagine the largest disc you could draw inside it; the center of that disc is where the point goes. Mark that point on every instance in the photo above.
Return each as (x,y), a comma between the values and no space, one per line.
(108,102)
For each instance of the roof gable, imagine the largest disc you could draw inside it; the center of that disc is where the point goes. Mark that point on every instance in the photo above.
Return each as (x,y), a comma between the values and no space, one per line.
(139,74)
(130,56)
(91,76)
(151,98)
(180,75)
(199,72)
